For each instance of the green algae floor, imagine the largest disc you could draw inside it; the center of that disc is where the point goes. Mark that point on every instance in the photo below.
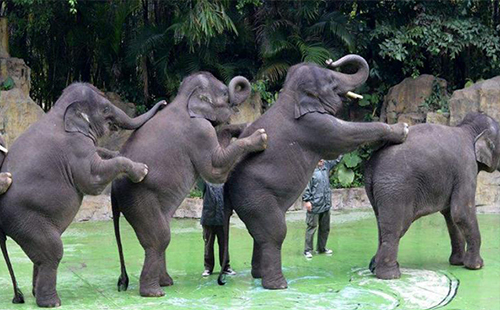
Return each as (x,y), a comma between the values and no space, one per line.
(89,270)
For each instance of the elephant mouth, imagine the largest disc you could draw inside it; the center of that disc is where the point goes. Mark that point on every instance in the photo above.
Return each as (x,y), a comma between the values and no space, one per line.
(113,127)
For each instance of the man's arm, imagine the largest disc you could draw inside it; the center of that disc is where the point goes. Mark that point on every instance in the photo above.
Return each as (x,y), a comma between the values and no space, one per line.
(330,164)
(308,195)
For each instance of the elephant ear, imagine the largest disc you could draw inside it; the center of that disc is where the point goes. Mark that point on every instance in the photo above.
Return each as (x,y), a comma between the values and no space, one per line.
(76,118)
(484,149)
(308,102)
(200,106)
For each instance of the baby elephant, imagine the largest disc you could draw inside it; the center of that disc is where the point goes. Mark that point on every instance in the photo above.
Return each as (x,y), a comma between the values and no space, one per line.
(434,170)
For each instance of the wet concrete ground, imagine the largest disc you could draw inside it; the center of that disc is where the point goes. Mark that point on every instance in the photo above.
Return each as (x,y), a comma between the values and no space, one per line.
(90,268)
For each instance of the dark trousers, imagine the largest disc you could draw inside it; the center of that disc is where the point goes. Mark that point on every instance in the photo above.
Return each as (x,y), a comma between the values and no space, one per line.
(314,220)
(209,234)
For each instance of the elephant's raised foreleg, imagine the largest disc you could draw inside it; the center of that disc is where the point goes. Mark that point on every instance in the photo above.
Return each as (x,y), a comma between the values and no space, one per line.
(105,171)
(227,132)
(457,240)
(347,136)
(106,154)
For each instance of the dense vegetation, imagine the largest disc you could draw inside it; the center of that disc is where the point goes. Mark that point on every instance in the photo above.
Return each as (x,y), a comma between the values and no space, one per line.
(143,48)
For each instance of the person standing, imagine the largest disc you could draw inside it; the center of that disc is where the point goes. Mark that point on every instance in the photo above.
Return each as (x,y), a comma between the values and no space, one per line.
(317,200)
(212,221)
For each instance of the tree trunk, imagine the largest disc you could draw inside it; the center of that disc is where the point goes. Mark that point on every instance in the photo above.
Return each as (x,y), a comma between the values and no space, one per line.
(4,38)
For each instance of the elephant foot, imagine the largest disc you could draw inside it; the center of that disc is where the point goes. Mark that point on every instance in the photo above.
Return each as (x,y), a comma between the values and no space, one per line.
(456,259)
(18,297)
(473,262)
(274,284)
(122,283)
(387,273)
(166,280)
(152,292)
(51,302)
(5,181)
(138,172)
(372,265)
(257,141)
(256,273)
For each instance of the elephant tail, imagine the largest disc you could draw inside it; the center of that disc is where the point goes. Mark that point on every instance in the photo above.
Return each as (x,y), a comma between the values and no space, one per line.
(123,279)
(225,260)
(18,295)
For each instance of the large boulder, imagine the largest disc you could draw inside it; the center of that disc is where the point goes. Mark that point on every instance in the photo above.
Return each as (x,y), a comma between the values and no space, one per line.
(249,110)
(483,96)
(16,69)
(404,101)
(17,112)
(480,97)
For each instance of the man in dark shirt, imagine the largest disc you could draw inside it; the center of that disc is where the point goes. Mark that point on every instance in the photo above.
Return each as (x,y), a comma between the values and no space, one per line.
(212,220)
(317,200)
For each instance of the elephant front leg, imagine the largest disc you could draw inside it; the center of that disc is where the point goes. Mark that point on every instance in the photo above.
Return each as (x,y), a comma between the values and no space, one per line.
(105,171)
(457,240)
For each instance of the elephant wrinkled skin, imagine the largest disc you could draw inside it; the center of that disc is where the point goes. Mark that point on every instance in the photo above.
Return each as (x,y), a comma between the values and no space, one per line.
(435,170)
(302,130)
(54,163)
(181,144)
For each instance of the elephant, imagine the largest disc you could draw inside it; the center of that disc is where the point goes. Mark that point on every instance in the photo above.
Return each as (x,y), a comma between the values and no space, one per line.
(303,129)
(54,163)
(182,144)
(435,170)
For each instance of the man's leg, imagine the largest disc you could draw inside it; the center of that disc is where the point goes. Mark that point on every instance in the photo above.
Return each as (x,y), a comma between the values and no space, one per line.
(323,230)
(209,238)
(312,224)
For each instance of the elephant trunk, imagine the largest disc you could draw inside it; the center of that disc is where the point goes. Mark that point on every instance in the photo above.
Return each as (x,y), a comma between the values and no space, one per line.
(123,121)
(239,90)
(351,81)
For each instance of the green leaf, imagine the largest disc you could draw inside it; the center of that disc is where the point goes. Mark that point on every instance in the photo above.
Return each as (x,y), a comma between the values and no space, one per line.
(7,84)
(351,160)
(345,176)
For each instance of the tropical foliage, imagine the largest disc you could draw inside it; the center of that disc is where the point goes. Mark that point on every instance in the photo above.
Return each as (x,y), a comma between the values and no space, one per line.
(143,48)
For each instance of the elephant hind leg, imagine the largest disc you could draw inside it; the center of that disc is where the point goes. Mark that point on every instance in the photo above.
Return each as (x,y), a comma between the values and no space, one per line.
(165,278)
(153,232)
(256,261)
(457,240)
(463,214)
(268,231)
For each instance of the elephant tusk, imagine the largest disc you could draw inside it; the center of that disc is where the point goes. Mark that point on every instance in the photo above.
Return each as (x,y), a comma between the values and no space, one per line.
(353,95)
(3,149)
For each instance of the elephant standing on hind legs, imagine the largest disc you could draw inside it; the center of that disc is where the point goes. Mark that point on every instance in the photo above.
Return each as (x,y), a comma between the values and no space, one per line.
(435,170)
(181,144)
(303,129)
(54,163)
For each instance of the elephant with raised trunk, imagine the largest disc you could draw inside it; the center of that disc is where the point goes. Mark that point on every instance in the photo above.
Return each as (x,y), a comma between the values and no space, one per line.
(435,170)
(182,144)
(303,129)
(54,163)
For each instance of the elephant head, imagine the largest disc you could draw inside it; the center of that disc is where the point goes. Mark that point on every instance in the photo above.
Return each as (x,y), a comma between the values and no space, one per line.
(318,89)
(88,112)
(487,140)
(209,98)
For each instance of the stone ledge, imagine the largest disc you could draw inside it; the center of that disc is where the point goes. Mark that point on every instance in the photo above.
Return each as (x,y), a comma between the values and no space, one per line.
(98,208)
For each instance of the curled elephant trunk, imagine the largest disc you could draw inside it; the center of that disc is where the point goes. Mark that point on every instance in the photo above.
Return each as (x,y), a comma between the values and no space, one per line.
(123,121)
(351,81)
(239,90)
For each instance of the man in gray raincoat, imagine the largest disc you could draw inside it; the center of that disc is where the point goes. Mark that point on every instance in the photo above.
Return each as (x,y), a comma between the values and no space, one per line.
(317,200)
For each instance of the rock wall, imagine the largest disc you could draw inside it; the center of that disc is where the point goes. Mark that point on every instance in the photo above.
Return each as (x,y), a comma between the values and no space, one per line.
(17,110)
(249,110)
(403,102)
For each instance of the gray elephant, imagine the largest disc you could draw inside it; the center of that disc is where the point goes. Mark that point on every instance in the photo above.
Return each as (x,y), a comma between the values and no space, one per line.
(54,163)
(182,144)
(435,170)
(303,129)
